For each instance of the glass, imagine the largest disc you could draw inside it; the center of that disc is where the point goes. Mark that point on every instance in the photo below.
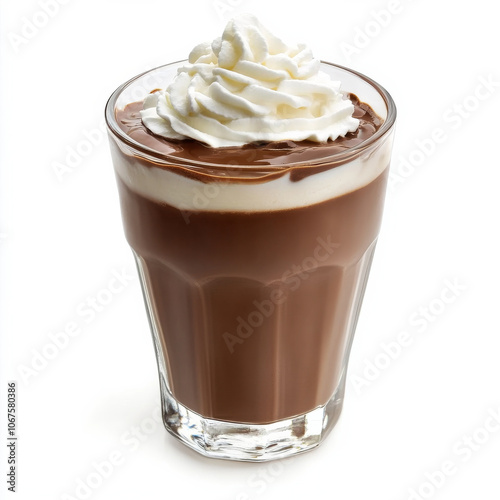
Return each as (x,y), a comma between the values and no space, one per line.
(252,310)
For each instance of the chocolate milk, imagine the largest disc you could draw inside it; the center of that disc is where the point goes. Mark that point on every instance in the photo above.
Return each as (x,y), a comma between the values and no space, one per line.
(254,308)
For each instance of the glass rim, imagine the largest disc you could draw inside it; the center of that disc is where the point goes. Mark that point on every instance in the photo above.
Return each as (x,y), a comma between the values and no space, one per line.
(344,156)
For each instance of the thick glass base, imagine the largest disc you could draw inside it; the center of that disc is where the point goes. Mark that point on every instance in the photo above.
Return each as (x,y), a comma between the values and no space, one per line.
(250,442)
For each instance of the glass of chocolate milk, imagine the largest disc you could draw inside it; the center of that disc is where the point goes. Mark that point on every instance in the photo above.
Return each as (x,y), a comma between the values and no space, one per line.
(253,261)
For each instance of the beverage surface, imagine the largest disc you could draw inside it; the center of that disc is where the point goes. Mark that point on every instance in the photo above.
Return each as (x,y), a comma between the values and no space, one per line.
(254,154)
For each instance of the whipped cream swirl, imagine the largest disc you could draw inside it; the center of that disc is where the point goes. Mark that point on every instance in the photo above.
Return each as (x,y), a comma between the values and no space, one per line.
(248,86)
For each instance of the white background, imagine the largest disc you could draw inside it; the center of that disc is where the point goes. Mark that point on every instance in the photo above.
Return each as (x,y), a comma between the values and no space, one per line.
(61,241)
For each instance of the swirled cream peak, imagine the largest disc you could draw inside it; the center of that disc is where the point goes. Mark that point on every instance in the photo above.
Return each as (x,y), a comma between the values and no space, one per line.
(249,86)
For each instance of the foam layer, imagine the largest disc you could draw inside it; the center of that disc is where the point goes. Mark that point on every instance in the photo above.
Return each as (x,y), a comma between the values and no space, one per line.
(164,185)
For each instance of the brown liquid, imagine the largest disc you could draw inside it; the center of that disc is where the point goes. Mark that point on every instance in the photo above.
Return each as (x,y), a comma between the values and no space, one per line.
(255,310)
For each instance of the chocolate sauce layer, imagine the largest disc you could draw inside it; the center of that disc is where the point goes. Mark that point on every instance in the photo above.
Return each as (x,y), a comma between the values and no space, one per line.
(255,154)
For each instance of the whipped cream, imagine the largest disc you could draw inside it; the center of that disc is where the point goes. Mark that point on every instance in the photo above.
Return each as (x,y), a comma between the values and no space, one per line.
(249,86)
